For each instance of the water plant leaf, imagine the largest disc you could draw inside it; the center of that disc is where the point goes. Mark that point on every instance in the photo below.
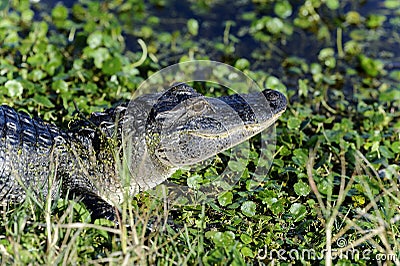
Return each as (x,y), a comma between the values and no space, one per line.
(248,208)
(14,88)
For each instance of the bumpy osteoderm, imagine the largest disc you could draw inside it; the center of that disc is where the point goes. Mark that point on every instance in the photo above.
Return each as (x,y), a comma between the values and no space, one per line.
(166,130)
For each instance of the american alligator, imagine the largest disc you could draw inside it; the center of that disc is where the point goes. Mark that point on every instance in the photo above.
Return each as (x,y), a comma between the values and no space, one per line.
(163,131)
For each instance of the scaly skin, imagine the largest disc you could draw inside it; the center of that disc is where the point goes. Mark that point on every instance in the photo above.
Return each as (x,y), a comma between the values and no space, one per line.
(34,155)
(39,159)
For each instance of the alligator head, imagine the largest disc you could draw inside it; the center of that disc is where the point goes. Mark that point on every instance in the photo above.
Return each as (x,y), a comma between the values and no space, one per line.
(181,127)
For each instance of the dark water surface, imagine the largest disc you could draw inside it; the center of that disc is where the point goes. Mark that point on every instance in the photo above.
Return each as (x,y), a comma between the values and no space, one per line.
(267,56)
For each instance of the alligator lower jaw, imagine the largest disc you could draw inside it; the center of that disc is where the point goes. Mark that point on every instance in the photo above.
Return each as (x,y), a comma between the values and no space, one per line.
(249,129)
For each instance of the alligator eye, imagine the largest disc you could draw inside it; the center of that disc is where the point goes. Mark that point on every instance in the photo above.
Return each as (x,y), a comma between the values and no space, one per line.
(198,106)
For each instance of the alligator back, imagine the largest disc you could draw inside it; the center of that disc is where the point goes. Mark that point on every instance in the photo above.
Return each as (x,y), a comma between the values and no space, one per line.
(26,147)
(39,159)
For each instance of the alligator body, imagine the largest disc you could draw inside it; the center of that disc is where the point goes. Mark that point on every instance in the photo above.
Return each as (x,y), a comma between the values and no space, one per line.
(155,134)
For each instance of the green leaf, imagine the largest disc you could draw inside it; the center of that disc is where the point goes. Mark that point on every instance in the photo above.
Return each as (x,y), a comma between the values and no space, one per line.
(37,59)
(52,66)
(283,9)
(274,25)
(242,63)
(246,239)
(225,198)
(99,55)
(60,86)
(12,38)
(224,239)
(248,208)
(375,21)
(396,147)
(90,88)
(390,95)
(247,252)
(210,234)
(324,186)
(194,182)
(43,100)
(301,188)
(303,89)
(60,12)
(146,32)
(332,4)
(327,55)
(293,122)
(27,15)
(193,27)
(353,17)
(370,66)
(40,29)
(298,211)
(300,157)
(237,166)
(275,84)
(84,214)
(94,40)
(14,88)
(278,207)
(112,66)
(392,4)
(386,153)
(36,75)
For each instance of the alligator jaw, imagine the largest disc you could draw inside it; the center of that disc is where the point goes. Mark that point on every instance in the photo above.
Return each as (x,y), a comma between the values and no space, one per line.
(252,129)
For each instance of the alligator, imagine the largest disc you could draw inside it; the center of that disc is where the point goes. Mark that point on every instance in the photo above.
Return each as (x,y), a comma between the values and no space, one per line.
(154,135)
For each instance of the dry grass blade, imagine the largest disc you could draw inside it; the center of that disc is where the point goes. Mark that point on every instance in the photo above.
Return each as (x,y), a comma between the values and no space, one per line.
(383,237)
